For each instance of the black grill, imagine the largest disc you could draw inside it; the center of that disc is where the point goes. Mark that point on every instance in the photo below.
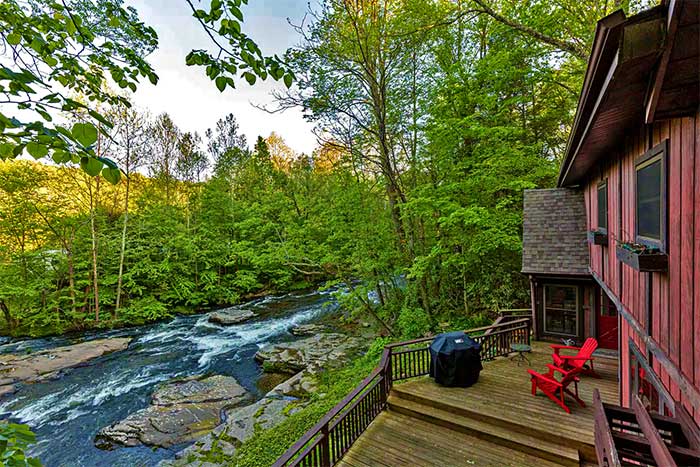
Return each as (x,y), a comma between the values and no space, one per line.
(455,360)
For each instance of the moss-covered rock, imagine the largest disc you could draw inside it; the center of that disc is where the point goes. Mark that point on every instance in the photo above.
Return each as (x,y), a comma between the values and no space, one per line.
(180,411)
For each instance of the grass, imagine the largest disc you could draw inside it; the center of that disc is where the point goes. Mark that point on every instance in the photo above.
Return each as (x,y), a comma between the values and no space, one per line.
(266,445)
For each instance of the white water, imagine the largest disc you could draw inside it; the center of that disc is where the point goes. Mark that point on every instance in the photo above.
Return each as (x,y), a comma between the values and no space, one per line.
(67,413)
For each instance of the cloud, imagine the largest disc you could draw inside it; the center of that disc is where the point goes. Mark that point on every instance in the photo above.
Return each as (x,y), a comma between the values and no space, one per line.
(191,98)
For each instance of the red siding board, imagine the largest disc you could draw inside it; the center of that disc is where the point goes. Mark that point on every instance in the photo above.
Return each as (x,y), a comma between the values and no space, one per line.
(674,240)
(687,220)
(675,305)
(696,262)
(624,363)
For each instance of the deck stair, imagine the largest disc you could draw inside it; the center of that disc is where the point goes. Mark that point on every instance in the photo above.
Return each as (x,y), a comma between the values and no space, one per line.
(500,410)
(487,426)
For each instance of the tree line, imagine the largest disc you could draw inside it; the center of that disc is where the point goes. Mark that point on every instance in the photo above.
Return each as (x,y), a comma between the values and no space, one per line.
(189,226)
(432,116)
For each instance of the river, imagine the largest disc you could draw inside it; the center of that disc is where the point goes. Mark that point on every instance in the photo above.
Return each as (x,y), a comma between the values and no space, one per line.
(66,413)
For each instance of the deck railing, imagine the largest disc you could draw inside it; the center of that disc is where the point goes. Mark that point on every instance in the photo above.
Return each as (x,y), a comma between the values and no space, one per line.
(327,441)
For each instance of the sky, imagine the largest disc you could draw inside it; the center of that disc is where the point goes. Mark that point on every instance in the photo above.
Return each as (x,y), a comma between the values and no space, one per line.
(192,99)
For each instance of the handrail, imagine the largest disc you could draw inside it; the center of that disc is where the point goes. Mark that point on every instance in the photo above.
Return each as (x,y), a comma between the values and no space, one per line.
(325,443)
(468,331)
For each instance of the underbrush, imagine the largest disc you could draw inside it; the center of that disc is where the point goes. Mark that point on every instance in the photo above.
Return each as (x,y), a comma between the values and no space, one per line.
(265,446)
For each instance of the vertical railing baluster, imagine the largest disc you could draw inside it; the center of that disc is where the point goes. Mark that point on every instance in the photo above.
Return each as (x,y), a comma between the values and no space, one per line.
(325,447)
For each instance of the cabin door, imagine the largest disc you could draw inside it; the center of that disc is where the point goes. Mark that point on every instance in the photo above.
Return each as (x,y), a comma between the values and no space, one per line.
(606,322)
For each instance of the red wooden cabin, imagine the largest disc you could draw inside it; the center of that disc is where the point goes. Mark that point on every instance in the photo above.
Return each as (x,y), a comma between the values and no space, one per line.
(628,205)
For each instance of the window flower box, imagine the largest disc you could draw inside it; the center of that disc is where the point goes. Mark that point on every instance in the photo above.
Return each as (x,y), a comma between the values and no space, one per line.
(642,258)
(596,237)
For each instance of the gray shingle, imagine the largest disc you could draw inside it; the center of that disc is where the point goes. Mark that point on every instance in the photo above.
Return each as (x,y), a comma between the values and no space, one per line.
(554,232)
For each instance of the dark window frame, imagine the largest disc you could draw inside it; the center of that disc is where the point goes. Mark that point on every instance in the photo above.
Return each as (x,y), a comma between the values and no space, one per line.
(658,152)
(578,311)
(603,185)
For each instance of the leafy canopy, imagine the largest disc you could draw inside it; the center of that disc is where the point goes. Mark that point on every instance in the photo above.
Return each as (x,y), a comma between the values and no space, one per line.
(57,50)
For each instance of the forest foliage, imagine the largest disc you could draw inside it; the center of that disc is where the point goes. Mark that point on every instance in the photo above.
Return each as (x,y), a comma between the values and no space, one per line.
(433,117)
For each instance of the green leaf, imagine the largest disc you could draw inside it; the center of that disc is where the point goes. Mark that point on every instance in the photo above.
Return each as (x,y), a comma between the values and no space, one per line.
(236,12)
(91,166)
(111,175)
(14,39)
(6,150)
(100,118)
(221,83)
(288,80)
(84,133)
(250,77)
(36,150)
(153,78)
(60,156)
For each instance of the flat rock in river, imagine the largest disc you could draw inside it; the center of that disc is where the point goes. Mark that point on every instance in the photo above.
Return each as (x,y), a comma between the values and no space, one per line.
(308,329)
(180,411)
(231,316)
(324,350)
(47,364)
(242,422)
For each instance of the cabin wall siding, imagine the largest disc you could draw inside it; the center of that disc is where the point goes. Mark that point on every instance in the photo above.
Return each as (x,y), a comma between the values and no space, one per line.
(674,318)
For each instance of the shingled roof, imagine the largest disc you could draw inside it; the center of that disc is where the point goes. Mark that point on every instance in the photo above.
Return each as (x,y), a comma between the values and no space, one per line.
(554,232)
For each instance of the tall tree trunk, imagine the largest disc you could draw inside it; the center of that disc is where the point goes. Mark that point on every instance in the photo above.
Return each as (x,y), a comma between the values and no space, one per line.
(122,252)
(71,275)
(93,233)
(7,315)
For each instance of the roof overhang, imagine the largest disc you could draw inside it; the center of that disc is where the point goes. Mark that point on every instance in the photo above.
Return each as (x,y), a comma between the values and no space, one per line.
(625,51)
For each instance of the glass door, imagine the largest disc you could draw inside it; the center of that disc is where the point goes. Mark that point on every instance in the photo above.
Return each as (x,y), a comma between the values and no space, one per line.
(561,310)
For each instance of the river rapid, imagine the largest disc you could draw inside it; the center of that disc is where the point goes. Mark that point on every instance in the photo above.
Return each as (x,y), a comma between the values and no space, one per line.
(66,413)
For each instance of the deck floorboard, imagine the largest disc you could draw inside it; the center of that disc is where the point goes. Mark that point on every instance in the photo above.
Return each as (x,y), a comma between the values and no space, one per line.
(502,397)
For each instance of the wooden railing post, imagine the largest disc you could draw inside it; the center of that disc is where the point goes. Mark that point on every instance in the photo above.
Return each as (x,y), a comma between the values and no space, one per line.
(389,372)
(351,416)
(325,447)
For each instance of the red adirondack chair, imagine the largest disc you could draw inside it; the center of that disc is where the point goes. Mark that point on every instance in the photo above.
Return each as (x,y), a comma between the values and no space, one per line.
(583,359)
(557,389)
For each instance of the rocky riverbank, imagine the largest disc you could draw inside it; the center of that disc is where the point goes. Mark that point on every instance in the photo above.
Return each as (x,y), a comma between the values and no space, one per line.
(48,364)
(180,411)
(303,360)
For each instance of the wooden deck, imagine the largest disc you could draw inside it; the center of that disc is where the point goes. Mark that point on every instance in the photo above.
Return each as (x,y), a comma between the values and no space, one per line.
(496,422)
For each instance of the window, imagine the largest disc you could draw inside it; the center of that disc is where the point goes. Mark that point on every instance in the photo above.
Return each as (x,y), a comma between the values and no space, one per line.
(561,309)
(603,206)
(651,197)
(645,384)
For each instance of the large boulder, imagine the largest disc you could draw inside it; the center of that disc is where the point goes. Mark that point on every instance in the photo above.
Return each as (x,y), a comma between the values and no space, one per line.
(180,411)
(241,422)
(231,316)
(324,350)
(48,364)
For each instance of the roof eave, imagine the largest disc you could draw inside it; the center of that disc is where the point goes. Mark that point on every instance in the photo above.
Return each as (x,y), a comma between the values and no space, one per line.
(601,43)
(602,68)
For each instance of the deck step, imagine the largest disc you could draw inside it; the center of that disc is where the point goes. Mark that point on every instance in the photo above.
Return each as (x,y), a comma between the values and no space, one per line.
(533,445)
(492,418)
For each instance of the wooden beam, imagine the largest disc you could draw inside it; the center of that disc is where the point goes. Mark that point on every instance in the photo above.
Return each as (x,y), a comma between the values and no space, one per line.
(604,443)
(656,443)
(690,392)
(533,307)
(673,18)
(690,429)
